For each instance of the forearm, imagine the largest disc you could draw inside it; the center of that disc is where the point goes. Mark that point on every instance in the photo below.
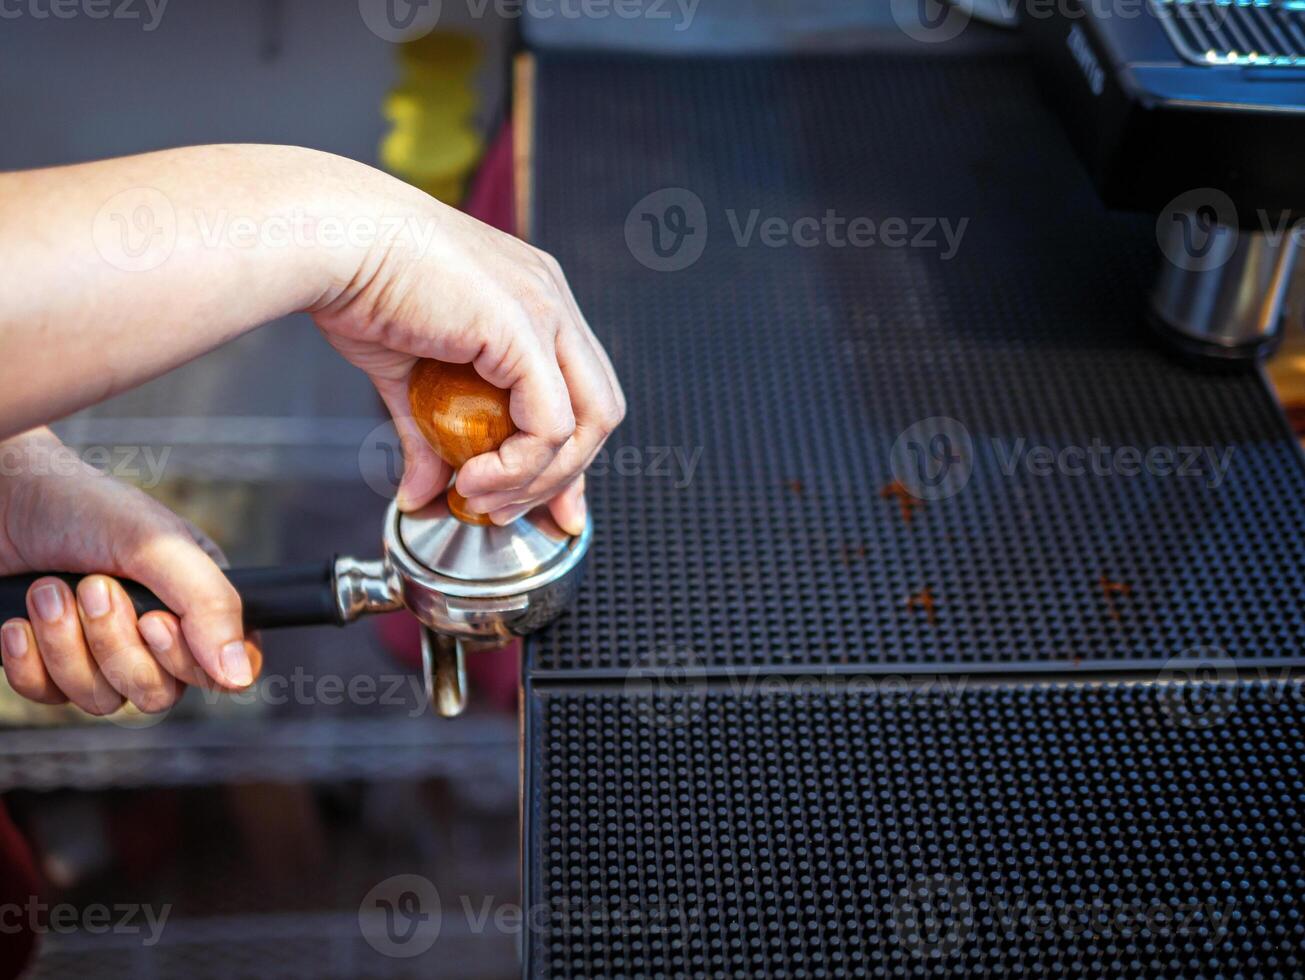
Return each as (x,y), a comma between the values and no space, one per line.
(119,270)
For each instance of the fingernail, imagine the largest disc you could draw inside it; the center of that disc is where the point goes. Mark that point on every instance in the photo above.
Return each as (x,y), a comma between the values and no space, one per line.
(14,639)
(48,601)
(93,595)
(158,636)
(235,664)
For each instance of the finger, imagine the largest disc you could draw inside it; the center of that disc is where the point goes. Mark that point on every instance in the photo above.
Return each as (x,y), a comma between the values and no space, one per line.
(425,475)
(23,667)
(540,407)
(58,632)
(109,625)
(161,631)
(169,563)
(564,288)
(569,509)
(597,413)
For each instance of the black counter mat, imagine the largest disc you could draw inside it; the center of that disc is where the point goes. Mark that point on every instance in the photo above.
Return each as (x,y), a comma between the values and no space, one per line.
(791,372)
(1121,829)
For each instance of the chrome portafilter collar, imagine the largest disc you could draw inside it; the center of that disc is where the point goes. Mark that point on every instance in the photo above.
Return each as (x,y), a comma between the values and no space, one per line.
(476,585)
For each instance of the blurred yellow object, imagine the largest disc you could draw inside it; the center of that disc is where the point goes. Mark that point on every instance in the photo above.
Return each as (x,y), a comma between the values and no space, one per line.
(432,143)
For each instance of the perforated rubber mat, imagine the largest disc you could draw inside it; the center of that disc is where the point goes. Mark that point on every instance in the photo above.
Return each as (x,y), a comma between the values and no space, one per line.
(1115,830)
(800,722)
(787,373)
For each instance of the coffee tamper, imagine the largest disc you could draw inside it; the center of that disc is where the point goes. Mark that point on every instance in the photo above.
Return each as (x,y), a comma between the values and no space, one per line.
(471,583)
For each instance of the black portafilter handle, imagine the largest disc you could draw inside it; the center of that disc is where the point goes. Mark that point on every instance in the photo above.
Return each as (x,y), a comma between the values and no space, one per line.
(272,597)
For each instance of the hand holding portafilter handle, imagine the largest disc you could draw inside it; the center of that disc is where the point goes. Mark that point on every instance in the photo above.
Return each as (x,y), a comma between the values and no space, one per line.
(462,416)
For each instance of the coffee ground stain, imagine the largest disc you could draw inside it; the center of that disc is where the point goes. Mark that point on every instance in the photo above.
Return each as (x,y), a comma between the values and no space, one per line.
(924,600)
(907,502)
(1111,591)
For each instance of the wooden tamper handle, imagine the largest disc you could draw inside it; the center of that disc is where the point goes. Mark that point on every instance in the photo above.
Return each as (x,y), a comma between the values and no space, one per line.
(461,415)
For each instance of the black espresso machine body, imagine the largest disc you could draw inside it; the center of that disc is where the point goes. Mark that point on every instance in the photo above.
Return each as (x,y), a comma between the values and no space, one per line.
(1192,110)
(1161,98)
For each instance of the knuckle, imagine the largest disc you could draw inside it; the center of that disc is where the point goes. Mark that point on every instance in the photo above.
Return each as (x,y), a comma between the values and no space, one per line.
(219,601)
(610,415)
(60,653)
(544,308)
(155,698)
(559,431)
(100,703)
(28,687)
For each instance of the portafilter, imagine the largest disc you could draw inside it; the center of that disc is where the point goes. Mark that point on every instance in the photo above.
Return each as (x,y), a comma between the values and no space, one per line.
(470,583)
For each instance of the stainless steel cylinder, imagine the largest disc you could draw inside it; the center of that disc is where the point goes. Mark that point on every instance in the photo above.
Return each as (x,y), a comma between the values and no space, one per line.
(1222,290)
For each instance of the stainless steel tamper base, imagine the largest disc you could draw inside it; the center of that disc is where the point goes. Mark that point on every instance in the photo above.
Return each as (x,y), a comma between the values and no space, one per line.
(469,586)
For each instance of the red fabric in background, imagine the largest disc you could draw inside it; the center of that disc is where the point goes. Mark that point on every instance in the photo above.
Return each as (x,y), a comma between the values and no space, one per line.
(493,675)
(492,195)
(20,884)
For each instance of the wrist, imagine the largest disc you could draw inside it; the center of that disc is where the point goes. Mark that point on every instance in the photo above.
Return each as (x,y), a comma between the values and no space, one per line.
(354,218)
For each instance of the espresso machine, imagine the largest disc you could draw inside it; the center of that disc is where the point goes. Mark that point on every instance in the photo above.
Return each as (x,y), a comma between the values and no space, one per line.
(1194,111)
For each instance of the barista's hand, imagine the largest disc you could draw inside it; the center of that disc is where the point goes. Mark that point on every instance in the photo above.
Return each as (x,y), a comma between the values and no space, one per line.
(238,236)
(87,647)
(460,291)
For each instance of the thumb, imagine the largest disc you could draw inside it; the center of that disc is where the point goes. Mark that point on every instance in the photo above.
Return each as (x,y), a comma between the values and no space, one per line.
(425,475)
(168,562)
